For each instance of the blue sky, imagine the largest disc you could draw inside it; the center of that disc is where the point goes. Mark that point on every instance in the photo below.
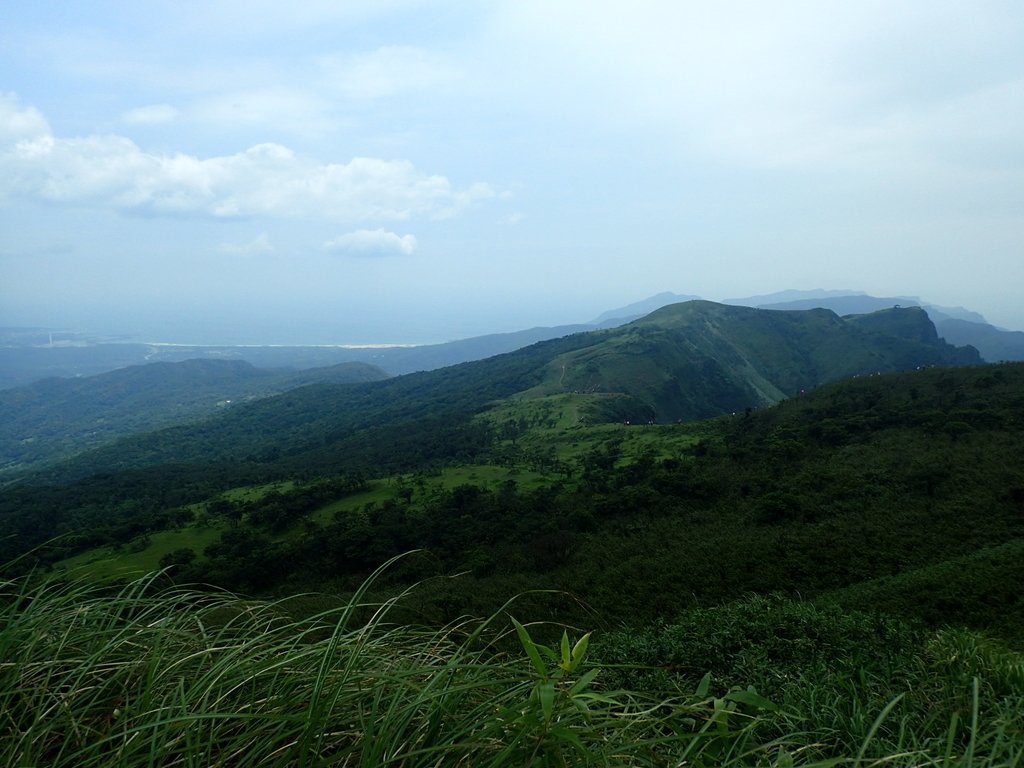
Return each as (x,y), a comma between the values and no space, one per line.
(400,171)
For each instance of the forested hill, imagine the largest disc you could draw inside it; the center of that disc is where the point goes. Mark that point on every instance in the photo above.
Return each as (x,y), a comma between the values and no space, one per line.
(699,359)
(58,417)
(685,361)
(874,486)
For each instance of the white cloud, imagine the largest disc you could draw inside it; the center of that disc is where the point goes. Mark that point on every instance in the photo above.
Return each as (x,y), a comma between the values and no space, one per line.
(260,244)
(372,242)
(266,179)
(18,123)
(152,114)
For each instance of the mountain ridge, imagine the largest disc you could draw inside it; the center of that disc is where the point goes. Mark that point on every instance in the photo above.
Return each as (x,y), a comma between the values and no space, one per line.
(686,361)
(715,358)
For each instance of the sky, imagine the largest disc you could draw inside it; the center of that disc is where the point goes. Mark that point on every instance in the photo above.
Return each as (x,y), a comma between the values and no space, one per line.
(403,171)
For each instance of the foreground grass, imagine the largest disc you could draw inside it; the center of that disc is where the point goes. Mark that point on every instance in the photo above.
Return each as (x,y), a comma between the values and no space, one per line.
(151,675)
(155,676)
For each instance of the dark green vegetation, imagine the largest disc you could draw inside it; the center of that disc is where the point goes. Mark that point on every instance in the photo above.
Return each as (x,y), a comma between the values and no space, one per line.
(699,359)
(874,482)
(853,553)
(55,418)
(689,360)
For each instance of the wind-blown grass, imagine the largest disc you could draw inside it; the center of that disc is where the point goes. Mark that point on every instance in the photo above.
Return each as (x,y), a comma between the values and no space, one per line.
(150,675)
(155,675)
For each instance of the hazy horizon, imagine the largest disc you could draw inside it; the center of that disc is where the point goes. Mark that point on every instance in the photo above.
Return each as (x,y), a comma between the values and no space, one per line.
(416,172)
(275,337)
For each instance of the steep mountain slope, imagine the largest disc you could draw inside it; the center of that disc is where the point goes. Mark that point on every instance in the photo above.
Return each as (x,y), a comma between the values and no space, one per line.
(699,359)
(59,417)
(956,325)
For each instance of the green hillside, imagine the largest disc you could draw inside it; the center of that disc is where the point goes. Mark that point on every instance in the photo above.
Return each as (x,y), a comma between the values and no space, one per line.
(698,359)
(687,360)
(880,476)
(55,418)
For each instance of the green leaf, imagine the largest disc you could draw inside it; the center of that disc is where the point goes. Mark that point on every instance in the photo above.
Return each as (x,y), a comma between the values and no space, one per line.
(598,698)
(546,694)
(531,649)
(579,651)
(584,681)
(582,707)
(548,652)
(752,699)
(704,685)
(566,653)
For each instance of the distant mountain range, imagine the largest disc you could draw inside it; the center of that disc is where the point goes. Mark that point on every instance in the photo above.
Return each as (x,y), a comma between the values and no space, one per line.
(28,355)
(23,363)
(641,308)
(857,304)
(152,386)
(685,361)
